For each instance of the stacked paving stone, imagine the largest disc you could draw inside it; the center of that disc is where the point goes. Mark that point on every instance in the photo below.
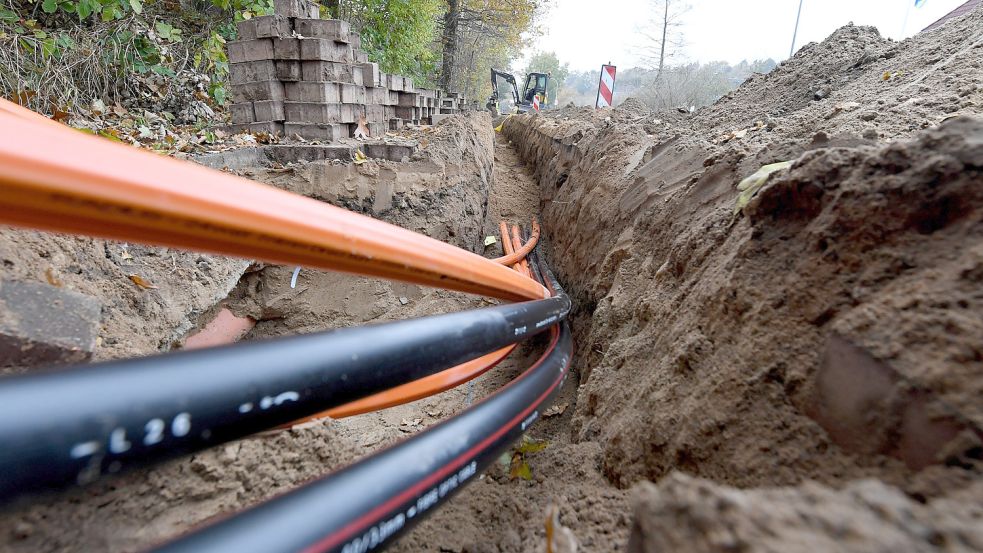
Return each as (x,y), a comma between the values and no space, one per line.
(295,74)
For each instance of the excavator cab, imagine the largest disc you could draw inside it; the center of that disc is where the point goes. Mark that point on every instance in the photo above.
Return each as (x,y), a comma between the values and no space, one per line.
(535,87)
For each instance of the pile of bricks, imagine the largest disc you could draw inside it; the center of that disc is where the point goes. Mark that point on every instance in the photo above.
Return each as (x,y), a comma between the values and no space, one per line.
(295,74)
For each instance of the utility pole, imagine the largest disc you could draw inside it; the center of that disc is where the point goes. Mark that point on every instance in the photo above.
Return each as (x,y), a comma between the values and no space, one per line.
(795,33)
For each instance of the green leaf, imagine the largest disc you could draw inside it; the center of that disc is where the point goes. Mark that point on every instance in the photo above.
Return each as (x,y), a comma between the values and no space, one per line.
(136,6)
(84,10)
(49,6)
(219,94)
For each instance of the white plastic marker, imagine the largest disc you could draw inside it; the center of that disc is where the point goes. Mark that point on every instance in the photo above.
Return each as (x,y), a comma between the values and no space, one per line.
(293,279)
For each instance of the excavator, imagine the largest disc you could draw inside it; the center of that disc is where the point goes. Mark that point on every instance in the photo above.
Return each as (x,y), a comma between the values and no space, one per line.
(533,90)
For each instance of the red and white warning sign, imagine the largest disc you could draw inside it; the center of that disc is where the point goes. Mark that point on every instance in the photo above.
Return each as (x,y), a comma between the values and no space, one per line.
(605,88)
(535,102)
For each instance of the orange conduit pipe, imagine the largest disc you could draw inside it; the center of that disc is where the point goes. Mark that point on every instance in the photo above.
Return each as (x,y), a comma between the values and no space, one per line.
(507,246)
(522,252)
(516,245)
(57,179)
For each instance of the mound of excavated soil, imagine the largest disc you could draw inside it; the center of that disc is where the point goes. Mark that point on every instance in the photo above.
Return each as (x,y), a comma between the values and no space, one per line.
(829,330)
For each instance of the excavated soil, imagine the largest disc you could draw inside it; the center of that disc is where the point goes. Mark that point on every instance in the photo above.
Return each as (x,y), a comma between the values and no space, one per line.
(825,331)
(796,369)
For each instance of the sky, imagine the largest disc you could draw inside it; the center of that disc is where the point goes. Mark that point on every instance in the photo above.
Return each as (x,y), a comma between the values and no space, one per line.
(588,33)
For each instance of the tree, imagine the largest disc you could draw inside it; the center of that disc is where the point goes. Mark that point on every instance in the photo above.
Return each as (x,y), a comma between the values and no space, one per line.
(547,62)
(662,34)
(479,34)
(398,34)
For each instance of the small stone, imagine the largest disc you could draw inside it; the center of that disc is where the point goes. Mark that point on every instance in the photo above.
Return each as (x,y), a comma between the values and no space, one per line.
(403,300)
(871,134)
(868,116)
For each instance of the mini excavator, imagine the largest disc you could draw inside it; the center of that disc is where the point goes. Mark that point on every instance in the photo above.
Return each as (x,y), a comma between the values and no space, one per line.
(533,93)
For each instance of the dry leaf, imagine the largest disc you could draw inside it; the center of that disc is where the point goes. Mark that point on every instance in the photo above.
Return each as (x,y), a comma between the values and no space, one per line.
(126,255)
(49,273)
(555,410)
(142,282)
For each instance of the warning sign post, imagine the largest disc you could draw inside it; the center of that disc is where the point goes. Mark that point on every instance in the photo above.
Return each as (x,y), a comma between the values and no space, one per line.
(605,88)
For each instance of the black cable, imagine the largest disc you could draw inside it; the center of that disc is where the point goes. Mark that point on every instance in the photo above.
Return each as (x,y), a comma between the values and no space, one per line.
(366,505)
(76,424)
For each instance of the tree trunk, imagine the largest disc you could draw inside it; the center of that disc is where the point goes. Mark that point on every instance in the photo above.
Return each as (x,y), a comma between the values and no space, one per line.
(450,44)
(662,48)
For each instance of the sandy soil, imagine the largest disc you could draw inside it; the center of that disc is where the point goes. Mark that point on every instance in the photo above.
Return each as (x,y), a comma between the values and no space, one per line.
(830,329)
(798,371)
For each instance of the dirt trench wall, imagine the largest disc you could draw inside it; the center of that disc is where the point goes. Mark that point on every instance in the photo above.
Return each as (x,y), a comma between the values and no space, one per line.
(829,330)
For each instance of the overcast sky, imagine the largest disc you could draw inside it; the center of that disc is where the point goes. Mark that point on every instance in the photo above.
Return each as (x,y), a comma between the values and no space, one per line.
(587,33)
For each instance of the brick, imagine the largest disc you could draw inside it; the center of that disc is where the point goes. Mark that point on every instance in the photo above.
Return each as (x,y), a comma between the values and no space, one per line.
(360,56)
(376,96)
(260,90)
(42,324)
(393,98)
(327,71)
(308,112)
(408,85)
(334,29)
(250,50)
(295,8)
(252,71)
(266,26)
(288,70)
(355,41)
(318,131)
(286,48)
(271,127)
(325,50)
(267,110)
(242,113)
(371,75)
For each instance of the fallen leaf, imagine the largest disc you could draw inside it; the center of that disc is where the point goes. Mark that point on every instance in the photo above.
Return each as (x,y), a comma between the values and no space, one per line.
(142,282)
(489,240)
(520,468)
(359,157)
(555,410)
(530,445)
(49,274)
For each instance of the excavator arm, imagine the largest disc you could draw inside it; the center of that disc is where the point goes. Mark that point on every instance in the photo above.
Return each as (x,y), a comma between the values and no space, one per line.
(492,104)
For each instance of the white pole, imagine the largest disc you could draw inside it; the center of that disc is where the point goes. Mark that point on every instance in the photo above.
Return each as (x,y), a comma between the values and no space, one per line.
(795,33)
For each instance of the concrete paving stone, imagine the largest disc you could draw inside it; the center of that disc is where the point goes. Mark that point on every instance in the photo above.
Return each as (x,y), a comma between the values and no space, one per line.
(313,92)
(318,131)
(296,8)
(395,82)
(360,56)
(247,72)
(325,50)
(408,99)
(333,29)
(260,90)
(352,94)
(286,48)
(242,113)
(288,70)
(307,112)
(42,324)
(327,71)
(371,75)
(264,26)
(271,127)
(375,113)
(408,85)
(250,50)
(393,99)
(268,110)
(292,153)
(405,112)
